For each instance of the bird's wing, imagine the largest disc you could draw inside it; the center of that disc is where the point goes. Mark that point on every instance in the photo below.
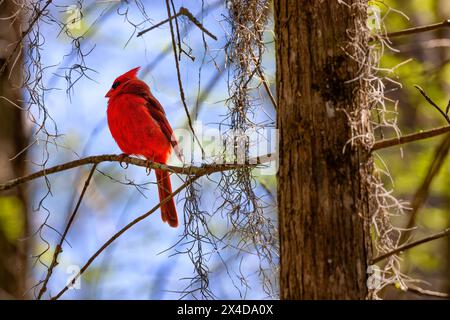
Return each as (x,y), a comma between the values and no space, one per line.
(140,88)
(157,113)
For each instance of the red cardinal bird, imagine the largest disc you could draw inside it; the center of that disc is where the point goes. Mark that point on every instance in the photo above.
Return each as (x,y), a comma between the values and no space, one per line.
(138,123)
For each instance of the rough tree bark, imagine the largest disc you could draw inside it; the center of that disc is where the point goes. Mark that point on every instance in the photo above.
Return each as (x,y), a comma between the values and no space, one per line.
(322,193)
(13,205)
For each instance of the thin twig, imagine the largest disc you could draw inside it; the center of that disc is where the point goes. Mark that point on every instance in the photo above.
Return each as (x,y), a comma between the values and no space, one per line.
(58,248)
(158,24)
(194,170)
(194,20)
(177,28)
(429,293)
(414,30)
(264,80)
(442,234)
(386,143)
(421,291)
(266,86)
(183,12)
(120,232)
(433,104)
(180,83)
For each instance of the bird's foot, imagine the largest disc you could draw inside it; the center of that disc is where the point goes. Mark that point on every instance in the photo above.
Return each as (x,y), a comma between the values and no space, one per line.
(121,159)
(148,170)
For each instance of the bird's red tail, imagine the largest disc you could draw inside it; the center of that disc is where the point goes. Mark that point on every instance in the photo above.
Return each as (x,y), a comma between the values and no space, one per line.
(168,210)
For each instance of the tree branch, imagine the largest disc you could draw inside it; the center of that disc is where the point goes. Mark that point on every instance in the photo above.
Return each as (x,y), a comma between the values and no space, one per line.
(442,234)
(191,170)
(429,293)
(433,104)
(264,80)
(58,248)
(386,143)
(422,292)
(183,12)
(414,30)
(120,232)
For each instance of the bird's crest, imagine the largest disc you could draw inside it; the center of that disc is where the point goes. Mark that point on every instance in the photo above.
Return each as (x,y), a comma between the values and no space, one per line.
(132,73)
(129,75)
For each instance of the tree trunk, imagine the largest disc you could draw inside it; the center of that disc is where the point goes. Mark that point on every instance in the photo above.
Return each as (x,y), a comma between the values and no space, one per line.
(322,191)
(13,205)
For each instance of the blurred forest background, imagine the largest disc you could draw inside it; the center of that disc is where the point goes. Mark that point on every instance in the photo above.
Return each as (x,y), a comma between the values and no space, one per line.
(421,170)
(150,262)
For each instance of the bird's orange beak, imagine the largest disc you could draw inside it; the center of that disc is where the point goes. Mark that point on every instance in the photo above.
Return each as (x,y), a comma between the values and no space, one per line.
(108,94)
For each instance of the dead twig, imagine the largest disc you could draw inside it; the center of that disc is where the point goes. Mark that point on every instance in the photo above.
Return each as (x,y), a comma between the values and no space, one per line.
(58,248)
(433,104)
(429,293)
(414,30)
(442,234)
(386,143)
(182,12)
(264,80)
(422,292)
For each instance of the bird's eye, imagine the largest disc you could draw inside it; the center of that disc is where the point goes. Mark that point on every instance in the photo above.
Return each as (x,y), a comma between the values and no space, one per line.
(115,84)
